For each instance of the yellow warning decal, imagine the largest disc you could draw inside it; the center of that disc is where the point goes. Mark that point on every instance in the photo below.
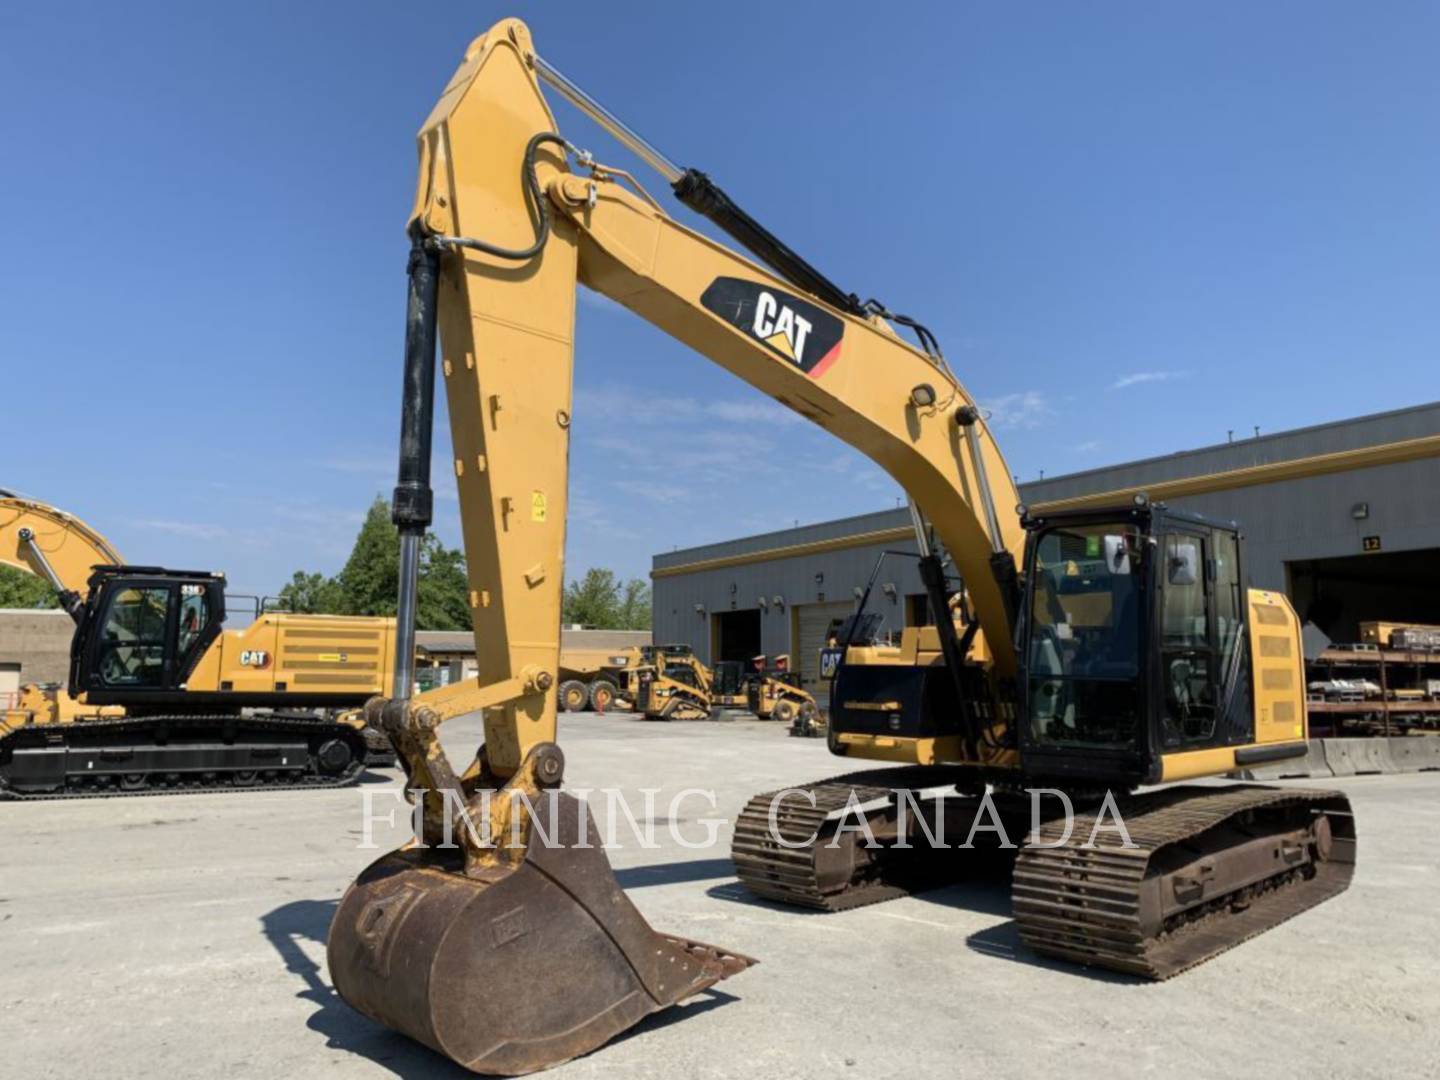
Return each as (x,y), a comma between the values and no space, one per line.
(537,506)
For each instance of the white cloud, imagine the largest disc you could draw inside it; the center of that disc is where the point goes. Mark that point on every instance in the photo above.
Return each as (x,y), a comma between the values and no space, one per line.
(1135,378)
(1026,409)
(655,492)
(1088,447)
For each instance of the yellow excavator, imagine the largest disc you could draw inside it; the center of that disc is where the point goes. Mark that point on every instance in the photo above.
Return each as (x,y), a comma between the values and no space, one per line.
(162,698)
(1123,647)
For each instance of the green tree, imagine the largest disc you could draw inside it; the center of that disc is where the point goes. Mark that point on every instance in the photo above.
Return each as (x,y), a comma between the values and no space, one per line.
(635,606)
(594,600)
(599,600)
(370,580)
(312,594)
(369,583)
(21,590)
(443,602)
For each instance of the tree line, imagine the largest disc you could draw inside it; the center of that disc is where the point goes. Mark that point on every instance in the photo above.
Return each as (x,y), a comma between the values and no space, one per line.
(369,583)
(370,580)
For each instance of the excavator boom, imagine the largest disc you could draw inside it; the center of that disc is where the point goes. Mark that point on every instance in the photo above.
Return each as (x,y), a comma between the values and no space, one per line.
(39,539)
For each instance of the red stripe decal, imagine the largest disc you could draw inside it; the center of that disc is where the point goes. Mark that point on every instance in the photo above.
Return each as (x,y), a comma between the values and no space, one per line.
(826,360)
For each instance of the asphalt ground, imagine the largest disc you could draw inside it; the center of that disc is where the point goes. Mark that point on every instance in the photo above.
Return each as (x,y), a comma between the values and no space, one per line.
(184,936)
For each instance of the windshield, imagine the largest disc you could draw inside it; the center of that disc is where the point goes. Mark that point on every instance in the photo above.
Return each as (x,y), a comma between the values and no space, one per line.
(1085,602)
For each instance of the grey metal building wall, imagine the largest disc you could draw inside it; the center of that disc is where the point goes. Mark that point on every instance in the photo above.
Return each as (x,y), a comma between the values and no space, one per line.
(1308,518)
(821,577)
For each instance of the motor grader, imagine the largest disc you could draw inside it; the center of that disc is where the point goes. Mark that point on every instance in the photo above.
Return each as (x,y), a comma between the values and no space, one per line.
(1125,648)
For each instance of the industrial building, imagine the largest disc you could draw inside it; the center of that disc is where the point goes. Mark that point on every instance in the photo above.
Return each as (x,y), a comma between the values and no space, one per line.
(34,648)
(1344,517)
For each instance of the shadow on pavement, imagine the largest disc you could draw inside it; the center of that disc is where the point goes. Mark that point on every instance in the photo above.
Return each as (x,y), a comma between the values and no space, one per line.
(344,1028)
(638,877)
(291,925)
(1002,942)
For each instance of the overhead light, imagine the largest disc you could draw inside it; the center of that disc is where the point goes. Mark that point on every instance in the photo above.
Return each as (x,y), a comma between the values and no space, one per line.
(762,603)
(820,578)
(1141,499)
(859,592)
(699,609)
(779,601)
(1360,511)
(922,396)
(888,589)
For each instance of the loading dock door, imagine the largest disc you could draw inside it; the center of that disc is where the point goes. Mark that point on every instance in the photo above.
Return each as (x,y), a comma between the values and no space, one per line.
(735,635)
(1337,595)
(811,623)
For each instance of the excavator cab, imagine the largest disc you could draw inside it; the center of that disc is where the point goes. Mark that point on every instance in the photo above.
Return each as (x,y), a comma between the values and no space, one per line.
(141,632)
(1131,642)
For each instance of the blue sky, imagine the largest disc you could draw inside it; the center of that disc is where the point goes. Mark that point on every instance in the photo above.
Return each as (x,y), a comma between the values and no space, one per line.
(1133,226)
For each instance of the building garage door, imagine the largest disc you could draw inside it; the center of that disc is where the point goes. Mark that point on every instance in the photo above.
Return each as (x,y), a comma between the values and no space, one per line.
(1337,595)
(735,635)
(811,623)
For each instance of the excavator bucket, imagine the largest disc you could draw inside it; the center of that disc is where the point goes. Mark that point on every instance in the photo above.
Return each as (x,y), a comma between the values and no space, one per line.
(524,967)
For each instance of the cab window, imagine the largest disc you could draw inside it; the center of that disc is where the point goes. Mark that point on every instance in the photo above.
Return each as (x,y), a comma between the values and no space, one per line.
(132,647)
(1187,642)
(194,617)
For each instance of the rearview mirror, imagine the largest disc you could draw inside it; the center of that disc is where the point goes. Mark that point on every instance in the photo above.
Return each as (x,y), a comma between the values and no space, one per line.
(1184,564)
(1117,555)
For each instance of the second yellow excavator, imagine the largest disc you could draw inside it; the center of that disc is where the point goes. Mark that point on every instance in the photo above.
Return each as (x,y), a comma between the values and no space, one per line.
(162,698)
(1122,646)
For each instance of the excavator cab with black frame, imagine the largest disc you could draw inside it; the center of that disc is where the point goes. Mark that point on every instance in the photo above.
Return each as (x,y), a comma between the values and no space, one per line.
(1137,641)
(141,633)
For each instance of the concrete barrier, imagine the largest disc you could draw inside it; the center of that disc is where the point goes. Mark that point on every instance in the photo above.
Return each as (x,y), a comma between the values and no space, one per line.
(1313,764)
(1353,757)
(1358,757)
(1415,753)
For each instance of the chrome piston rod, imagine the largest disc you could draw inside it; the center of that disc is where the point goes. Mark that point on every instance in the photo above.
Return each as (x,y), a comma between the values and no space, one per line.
(640,147)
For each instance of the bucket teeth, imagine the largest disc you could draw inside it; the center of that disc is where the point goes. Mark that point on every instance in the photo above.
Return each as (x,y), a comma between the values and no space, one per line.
(513,971)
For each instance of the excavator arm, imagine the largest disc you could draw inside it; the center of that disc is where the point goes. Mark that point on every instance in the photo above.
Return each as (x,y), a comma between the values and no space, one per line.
(503,231)
(509,230)
(39,539)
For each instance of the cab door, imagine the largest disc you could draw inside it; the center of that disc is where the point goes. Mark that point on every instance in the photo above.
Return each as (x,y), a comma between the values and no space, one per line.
(143,637)
(130,644)
(1189,648)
